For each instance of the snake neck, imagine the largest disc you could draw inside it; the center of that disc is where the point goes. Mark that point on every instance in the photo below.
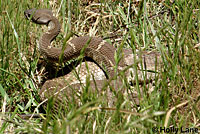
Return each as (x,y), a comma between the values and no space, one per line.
(48,37)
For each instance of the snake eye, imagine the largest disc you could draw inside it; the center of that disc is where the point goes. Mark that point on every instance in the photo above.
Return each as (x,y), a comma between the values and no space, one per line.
(28,13)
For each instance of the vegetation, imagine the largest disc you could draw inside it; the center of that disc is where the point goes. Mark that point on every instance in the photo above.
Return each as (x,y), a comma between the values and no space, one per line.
(170,27)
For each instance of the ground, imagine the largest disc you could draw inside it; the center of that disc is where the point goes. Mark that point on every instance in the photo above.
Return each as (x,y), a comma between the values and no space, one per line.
(168,27)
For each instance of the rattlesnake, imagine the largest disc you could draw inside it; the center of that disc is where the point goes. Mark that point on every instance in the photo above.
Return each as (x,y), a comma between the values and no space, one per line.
(101,52)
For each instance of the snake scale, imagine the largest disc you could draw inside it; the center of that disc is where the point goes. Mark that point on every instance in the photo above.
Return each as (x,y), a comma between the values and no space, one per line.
(101,52)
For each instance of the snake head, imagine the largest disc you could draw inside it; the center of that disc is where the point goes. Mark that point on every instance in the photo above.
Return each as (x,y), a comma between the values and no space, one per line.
(39,16)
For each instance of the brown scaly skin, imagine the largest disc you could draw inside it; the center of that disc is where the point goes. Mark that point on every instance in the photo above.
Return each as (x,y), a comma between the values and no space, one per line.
(100,51)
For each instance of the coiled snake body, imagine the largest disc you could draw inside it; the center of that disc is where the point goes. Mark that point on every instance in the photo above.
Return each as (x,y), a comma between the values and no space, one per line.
(99,50)
(94,47)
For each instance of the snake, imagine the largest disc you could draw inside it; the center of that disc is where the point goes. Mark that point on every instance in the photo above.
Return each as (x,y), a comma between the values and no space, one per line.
(101,52)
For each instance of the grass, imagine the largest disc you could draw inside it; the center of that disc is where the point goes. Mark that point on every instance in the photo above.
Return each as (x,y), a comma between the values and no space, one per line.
(171,28)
